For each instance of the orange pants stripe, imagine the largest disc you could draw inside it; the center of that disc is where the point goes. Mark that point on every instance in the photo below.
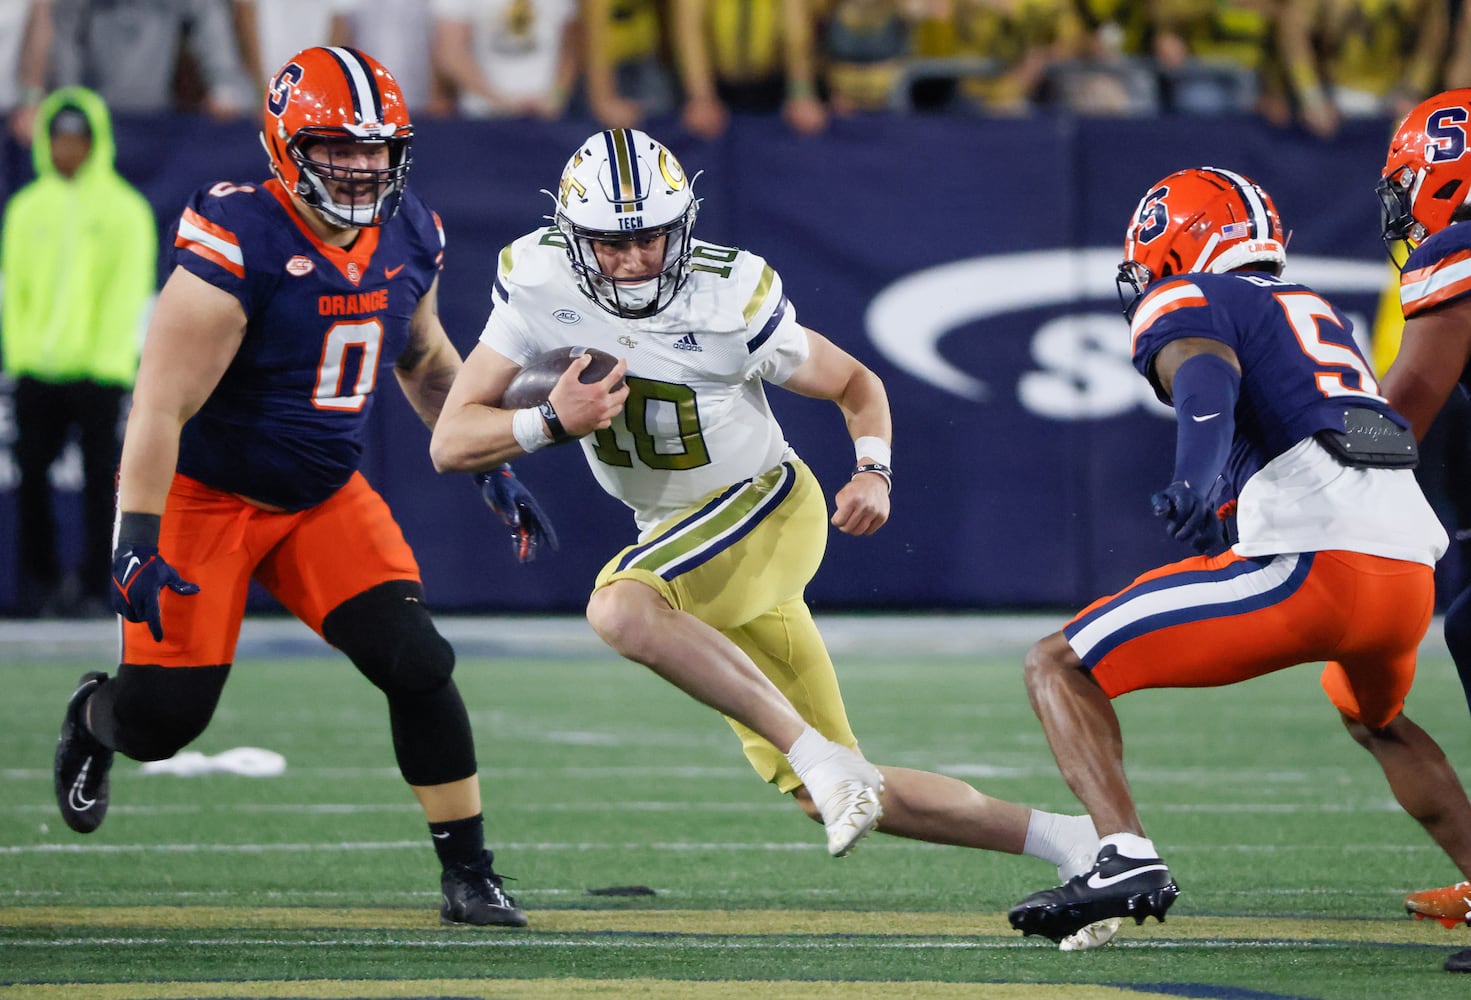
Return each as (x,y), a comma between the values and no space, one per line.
(311,561)
(1208,621)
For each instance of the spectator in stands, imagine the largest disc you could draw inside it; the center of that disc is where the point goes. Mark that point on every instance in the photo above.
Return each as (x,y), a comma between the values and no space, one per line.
(400,32)
(129,51)
(626,77)
(1110,70)
(1458,62)
(864,44)
(508,58)
(78,253)
(25,57)
(1038,53)
(1219,57)
(747,55)
(1357,58)
(272,31)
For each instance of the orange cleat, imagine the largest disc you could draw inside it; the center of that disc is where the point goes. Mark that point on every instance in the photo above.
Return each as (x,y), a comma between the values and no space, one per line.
(1451,905)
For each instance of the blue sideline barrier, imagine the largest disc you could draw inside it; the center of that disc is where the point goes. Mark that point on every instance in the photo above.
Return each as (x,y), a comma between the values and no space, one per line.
(969,262)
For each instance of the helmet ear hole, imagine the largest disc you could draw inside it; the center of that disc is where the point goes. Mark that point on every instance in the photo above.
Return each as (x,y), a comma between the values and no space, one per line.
(1447,191)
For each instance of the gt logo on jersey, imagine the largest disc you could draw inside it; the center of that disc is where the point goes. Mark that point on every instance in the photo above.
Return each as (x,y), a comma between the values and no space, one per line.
(1153,217)
(1446,130)
(282,87)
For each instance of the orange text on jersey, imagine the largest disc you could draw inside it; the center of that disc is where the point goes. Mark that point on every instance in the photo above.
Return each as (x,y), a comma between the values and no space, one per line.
(349,305)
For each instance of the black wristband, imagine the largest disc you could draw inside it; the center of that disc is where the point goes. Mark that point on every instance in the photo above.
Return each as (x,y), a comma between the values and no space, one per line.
(554,423)
(137,529)
(878,468)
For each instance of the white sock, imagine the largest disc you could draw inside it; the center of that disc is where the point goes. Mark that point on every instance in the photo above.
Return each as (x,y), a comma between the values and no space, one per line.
(809,750)
(1056,838)
(1131,845)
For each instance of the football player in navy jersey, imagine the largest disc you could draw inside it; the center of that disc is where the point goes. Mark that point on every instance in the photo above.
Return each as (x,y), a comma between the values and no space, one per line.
(287,302)
(1280,421)
(1424,193)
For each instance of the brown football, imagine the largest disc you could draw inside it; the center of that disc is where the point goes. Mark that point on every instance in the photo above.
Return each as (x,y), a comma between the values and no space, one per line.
(533,383)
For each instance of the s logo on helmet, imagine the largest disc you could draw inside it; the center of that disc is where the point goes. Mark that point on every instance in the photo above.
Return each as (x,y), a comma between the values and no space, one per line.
(1153,218)
(282,86)
(1446,130)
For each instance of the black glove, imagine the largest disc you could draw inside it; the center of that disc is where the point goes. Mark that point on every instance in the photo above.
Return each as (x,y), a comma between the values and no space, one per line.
(1189,517)
(139,575)
(514,504)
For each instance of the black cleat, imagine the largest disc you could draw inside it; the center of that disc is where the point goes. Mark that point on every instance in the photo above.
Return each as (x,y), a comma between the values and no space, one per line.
(1116,887)
(473,895)
(1459,962)
(80,772)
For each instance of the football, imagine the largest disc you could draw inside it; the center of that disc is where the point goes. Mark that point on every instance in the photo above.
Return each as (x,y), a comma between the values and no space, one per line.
(533,383)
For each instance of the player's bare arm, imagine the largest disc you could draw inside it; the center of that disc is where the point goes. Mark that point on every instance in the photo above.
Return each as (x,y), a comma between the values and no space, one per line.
(1433,353)
(428,365)
(862,505)
(1177,352)
(193,334)
(472,434)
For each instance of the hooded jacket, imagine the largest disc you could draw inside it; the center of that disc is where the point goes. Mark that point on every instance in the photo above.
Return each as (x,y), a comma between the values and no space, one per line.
(78,258)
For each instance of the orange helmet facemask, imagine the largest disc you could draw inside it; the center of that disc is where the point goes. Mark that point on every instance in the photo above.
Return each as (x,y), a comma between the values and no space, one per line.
(325,100)
(1202,219)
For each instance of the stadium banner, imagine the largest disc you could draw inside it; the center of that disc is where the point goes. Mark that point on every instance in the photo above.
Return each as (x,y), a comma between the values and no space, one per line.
(969,262)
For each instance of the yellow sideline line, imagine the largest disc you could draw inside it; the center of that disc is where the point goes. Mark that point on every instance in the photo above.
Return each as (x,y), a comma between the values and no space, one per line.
(543,989)
(716,922)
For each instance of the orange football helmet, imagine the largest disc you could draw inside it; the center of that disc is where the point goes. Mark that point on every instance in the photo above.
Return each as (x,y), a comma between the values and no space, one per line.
(1427,175)
(1201,219)
(338,94)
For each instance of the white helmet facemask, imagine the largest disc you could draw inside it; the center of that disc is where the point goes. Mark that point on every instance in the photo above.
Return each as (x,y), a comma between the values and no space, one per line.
(622,186)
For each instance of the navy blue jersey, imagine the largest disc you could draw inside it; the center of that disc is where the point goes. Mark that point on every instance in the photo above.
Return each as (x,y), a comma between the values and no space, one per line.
(324,326)
(1438,272)
(1300,366)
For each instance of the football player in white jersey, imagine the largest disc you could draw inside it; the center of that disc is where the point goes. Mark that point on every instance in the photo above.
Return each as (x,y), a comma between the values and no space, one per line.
(732,525)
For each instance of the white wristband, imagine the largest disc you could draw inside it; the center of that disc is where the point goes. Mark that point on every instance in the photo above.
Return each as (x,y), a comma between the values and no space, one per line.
(530,430)
(873,449)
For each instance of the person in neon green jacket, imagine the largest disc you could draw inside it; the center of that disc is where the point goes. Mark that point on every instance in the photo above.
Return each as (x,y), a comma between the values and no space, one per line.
(78,259)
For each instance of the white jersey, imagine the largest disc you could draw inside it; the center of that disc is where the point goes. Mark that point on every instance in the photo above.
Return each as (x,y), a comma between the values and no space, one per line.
(697,418)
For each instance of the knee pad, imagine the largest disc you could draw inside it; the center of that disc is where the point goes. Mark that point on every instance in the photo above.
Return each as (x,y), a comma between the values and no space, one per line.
(390,638)
(151,713)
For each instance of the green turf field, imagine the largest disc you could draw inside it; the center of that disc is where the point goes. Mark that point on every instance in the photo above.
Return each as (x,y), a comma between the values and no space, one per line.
(1292,856)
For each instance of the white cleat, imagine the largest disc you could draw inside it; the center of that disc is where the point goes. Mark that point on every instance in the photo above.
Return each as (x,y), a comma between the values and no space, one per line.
(850,812)
(846,789)
(1093,936)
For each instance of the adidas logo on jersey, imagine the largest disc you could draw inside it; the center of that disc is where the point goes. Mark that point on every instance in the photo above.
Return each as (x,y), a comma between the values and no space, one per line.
(687,343)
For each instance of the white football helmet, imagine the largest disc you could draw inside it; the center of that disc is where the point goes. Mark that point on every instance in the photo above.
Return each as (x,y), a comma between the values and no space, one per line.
(621,185)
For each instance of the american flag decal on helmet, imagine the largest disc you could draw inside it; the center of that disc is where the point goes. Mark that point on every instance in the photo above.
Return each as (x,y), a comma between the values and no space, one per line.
(1236,230)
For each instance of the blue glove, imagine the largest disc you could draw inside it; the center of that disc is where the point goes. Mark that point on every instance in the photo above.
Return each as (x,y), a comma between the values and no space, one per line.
(514,504)
(139,575)
(1189,517)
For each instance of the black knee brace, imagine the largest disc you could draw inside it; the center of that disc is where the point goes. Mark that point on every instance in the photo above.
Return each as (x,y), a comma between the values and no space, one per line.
(151,712)
(390,638)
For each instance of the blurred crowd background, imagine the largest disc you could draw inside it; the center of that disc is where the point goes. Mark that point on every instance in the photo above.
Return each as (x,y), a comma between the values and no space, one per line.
(1312,63)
